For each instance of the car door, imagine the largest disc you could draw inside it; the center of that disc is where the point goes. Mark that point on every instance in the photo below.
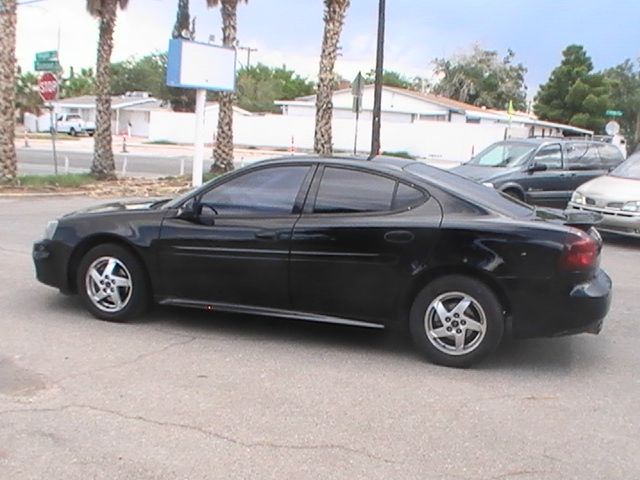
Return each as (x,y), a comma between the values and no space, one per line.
(358,242)
(237,250)
(583,163)
(545,187)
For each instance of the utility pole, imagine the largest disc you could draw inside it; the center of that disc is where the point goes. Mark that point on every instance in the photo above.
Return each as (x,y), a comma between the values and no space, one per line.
(377,93)
(249,50)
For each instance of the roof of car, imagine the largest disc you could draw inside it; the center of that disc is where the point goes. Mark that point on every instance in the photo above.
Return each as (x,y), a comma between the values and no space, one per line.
(381,162)
(541,140)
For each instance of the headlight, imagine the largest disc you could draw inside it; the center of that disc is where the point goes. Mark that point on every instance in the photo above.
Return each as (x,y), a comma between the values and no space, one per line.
(631,207)
(50,231)
(488,184)
(578,198)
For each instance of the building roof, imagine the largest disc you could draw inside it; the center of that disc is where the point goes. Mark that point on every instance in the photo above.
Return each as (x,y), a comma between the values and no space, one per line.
(470,111)
(89,101)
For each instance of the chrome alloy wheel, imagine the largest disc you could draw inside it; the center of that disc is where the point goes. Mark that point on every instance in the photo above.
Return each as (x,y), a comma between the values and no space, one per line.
(108,284)
(455,323)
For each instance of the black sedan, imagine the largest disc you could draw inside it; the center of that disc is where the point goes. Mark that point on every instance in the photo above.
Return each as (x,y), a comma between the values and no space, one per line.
(378,243)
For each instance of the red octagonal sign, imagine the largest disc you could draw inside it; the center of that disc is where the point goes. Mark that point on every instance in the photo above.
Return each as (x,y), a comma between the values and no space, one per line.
(48,87)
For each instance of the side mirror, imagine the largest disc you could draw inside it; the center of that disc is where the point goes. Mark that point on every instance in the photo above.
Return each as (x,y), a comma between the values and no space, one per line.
(189,210)
(537,167)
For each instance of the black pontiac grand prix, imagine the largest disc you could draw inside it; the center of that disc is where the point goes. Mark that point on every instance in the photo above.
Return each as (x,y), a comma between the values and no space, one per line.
(374,243)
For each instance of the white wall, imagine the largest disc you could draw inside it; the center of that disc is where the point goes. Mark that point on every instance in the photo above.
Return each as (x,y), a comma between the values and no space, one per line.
(439,140)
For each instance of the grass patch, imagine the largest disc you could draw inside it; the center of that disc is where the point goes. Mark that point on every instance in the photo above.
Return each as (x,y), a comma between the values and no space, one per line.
(161,142)
(47,136)
(71,180)
(402,154)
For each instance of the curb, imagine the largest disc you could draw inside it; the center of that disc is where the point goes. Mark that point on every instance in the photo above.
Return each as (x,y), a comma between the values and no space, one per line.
(73,193)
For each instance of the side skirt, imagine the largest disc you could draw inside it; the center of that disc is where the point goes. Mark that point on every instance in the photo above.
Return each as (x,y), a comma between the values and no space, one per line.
(270,312)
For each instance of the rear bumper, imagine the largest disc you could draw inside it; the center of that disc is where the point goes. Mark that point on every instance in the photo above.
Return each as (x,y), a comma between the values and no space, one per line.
(50,259)
(578,309)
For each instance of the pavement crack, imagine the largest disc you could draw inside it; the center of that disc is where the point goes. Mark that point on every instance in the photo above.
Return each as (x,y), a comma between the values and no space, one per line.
(124,363)
(207,432)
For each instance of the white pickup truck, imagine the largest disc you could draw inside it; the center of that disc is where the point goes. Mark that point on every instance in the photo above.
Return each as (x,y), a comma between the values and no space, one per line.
(73,124)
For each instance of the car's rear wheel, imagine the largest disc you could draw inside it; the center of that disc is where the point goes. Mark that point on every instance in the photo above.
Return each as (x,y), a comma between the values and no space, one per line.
(72,132)
(112,283)
(456,320)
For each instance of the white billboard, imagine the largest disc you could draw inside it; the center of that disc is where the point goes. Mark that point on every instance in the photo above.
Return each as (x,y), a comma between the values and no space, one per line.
(201,66)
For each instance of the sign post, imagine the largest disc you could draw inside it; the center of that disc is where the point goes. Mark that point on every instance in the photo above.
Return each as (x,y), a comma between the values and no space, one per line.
(356,90)
(48,89)
(202,67)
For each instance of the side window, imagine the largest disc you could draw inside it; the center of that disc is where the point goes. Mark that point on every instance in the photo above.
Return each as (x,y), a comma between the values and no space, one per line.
(611,156)
(583,156)
(268,191)
(551,156)
(352,191)
(406,197)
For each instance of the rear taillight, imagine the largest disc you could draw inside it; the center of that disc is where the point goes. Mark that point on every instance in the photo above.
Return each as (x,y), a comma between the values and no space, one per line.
(580,252)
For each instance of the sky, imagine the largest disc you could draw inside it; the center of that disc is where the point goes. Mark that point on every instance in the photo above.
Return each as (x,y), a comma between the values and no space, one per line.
(289,32)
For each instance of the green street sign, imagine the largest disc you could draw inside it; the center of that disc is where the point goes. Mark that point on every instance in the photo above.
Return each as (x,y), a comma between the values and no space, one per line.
(50,56)
(613,113)
(52,66)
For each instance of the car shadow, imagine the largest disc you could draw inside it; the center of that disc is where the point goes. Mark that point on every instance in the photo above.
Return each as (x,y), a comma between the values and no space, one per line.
(621,241)
(549,355)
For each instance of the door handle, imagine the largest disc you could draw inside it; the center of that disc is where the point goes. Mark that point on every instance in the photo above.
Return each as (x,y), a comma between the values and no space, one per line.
(399,236)
(267,235)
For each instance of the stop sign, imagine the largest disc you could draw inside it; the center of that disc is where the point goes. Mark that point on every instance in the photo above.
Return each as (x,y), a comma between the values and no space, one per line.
(48,87)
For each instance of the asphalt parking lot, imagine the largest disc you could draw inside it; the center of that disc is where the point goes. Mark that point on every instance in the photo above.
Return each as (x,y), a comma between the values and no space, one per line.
(192,395)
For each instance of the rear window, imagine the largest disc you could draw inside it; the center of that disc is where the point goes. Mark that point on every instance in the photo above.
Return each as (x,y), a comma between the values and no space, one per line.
(471,191)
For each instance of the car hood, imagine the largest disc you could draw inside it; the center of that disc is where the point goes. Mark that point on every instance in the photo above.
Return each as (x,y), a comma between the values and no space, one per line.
(612,189)
(126,206)
(482,174)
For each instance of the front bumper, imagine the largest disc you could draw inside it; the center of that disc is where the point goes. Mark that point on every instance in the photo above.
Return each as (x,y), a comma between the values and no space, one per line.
(50,259)
(614,221)
(576,309)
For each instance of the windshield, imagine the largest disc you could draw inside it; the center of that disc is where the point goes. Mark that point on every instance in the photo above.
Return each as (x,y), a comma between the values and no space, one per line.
(503,154)
(630,168)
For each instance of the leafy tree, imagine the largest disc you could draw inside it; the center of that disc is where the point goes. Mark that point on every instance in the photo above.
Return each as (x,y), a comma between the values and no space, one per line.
(573,94)
(146,74)
(260,85)
(78,84)
(482,78)
(391,79)
(27,96)
(624,95)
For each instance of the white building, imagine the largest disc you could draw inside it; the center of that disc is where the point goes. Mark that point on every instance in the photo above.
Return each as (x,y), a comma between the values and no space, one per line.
(409,106)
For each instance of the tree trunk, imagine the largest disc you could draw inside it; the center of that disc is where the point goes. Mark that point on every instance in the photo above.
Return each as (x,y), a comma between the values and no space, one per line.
(103,166)
(333,20)
(223,150)
(8,19)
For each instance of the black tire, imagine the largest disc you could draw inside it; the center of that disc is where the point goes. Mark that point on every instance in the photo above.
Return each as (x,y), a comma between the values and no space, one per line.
(72,132)
(135,300)
(484,310)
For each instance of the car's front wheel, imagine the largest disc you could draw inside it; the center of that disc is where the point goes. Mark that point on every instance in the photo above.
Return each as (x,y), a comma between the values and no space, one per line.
(456,320)
(112,283)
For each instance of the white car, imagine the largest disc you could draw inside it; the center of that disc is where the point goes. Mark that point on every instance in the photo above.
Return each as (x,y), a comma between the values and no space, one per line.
(616,196)
(73,124)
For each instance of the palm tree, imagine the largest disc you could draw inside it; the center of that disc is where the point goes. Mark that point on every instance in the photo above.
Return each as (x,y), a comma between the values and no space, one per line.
(334,12)
(8,19)
(103,166)
(223,151)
